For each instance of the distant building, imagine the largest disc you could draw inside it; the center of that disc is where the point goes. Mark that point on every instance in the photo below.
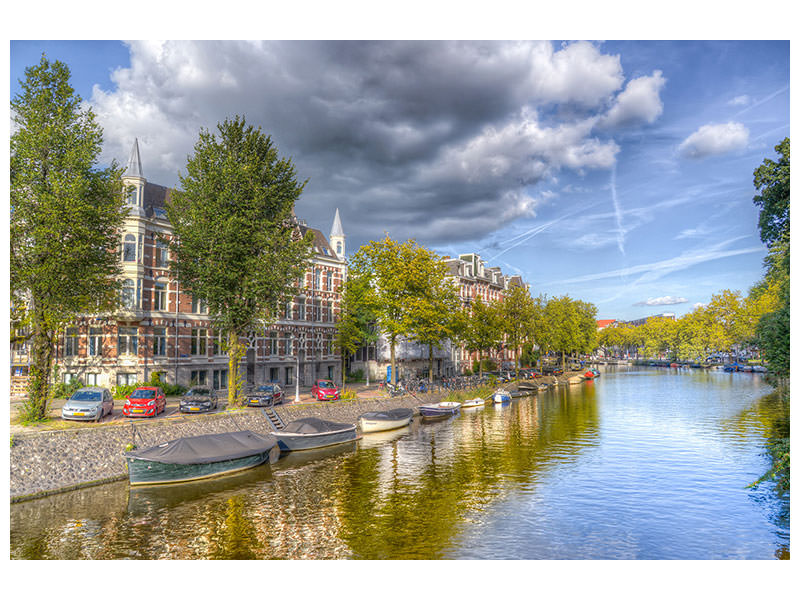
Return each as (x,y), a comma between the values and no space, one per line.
(161,328)
(603,323)
(643,320)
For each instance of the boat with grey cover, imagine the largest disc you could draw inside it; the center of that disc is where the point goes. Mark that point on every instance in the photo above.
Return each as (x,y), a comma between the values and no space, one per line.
(312,432)
(200,457)
(385,420)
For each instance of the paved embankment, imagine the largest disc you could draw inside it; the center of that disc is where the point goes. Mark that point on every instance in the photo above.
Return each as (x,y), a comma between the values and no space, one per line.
(44,462)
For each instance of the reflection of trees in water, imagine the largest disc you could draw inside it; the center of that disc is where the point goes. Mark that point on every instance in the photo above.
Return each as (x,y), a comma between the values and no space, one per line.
(495,452)
(232,535)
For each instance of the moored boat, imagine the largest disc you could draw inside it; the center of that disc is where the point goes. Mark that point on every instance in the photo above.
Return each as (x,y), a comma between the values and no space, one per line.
(474,403)
(501,396)
(385,420)
(200,457)
(311,432)
(440,410)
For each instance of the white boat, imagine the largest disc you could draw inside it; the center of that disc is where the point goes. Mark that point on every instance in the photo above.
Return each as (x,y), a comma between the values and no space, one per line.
(475,402)
(501,396)
(385,420)
(440,410)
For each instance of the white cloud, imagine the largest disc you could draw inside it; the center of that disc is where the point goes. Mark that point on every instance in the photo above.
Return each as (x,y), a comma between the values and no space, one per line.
(639,103)
(711,139)
(662,301)
(739,101)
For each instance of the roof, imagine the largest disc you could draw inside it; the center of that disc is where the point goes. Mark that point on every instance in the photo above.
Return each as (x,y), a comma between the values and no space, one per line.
(134,168)
(601,323)
(337,230)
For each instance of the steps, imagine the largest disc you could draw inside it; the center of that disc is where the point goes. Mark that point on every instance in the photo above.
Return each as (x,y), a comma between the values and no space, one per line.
(273,418)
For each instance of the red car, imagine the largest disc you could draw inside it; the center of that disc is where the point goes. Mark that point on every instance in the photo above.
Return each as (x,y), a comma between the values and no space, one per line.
(145,402)
(325,389)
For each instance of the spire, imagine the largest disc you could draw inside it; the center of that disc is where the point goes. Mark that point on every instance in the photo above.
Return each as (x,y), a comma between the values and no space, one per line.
(134,168)
(336,230)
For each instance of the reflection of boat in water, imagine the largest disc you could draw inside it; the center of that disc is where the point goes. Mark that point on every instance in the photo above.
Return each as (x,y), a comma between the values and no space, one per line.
(143,499)
(385,420)
(200,457)
(440,410)
(293,460)
(380,438)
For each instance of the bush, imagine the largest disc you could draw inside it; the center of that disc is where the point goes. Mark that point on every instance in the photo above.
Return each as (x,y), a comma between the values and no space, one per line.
(348,394)
(65,390)
(356,376)
(123,391)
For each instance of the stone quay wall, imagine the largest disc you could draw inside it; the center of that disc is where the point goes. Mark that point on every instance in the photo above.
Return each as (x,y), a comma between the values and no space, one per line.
(46,462)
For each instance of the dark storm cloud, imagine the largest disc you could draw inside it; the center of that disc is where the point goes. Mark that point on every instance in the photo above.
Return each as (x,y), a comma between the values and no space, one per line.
(441,141)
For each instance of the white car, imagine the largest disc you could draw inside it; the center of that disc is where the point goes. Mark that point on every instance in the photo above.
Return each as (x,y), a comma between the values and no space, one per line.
(88,404)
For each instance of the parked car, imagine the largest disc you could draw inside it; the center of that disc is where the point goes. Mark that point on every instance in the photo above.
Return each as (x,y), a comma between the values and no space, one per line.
(199,398)
(88,404)
(145,401)
(268,394)
(325,389)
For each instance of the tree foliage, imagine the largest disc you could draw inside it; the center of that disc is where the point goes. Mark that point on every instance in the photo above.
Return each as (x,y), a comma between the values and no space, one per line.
(65,217)
(357,316)
(236,244)
(479,328)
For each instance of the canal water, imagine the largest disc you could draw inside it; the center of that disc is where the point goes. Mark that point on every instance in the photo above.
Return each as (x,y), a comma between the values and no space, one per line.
(642,463)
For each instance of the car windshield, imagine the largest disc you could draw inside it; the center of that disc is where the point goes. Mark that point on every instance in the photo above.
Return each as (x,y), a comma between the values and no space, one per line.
(198,392)
(86,396)
(326,384)
(265,388)
(144,394)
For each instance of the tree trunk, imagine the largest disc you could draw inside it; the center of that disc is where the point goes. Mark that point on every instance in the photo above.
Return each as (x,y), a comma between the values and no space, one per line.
(480,364)
(394,369)
(344,371)
(563,361)
(430,363)
(235,351)
(41,368)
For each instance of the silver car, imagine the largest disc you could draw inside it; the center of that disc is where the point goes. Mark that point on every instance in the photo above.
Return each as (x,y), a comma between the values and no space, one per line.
(88,404)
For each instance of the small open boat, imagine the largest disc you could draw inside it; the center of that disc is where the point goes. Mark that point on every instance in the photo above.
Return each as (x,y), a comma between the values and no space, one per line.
(385,420)
(501,396)
(199,457)
(474,403)
(311,432)
(440,410)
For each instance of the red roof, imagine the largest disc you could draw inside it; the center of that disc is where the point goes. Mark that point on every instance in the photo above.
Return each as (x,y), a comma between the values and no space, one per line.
(603,323)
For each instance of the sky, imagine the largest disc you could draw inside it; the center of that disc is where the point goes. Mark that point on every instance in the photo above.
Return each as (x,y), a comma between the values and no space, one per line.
(617,172)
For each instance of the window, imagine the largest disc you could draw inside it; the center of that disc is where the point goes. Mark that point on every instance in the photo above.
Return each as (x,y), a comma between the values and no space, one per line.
(220,381)
(273,342)
(129,248)
(126,378)
(287,312)
(159,341)
(339,249)
(95,341)
(129,294)
(301,309)
(317,279)
(162,256)
(274,374)
(68,377)
(328,280)
(160,296)
(288,375)
(199,377)
(199,306)
(71,342)
(127,340)
(199,341)
(216,344)
(133,196)
(330,311)
(92,379)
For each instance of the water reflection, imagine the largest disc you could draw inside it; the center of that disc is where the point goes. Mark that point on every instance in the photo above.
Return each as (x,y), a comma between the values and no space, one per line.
(608,469)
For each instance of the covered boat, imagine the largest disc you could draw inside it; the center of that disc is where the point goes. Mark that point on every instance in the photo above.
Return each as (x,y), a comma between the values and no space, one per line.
(311,432)
(199,457)
(440,410)
(385,420)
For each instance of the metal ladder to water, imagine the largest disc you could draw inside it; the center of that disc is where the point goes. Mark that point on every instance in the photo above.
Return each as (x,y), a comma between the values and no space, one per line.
(273,418)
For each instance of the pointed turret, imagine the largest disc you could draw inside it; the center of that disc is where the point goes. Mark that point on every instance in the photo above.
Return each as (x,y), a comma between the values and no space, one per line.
(133,180)
(337,236)
(134,168)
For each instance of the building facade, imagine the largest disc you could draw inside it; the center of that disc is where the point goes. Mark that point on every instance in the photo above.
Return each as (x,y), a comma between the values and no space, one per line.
(161,328)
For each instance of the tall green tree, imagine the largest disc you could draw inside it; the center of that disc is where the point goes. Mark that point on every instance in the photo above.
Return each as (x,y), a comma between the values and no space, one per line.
(236,243)
(516,312)
(480,328)
(357,315)
(65,217)
(772,180)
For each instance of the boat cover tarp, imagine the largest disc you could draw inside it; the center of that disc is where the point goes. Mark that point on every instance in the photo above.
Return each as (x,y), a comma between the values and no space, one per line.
(389,415)
(314,425)
(203,449)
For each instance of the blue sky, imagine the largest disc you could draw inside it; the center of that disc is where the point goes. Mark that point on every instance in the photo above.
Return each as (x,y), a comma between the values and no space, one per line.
(616,172)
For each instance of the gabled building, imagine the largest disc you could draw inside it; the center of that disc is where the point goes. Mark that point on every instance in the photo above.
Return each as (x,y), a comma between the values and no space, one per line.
(161,328)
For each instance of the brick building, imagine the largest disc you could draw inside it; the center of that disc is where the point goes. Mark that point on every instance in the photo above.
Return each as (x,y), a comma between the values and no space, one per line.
(163,329)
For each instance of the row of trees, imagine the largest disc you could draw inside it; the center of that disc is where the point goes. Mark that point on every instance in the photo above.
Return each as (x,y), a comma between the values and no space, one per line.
(403,291)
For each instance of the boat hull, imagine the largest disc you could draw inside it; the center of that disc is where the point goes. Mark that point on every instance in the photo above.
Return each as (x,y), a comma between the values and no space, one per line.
(148,472)
(439,411)
(373,424)
(292,442)
(474,403)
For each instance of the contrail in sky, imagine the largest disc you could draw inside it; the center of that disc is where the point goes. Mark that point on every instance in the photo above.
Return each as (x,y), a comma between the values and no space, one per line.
(617,211)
